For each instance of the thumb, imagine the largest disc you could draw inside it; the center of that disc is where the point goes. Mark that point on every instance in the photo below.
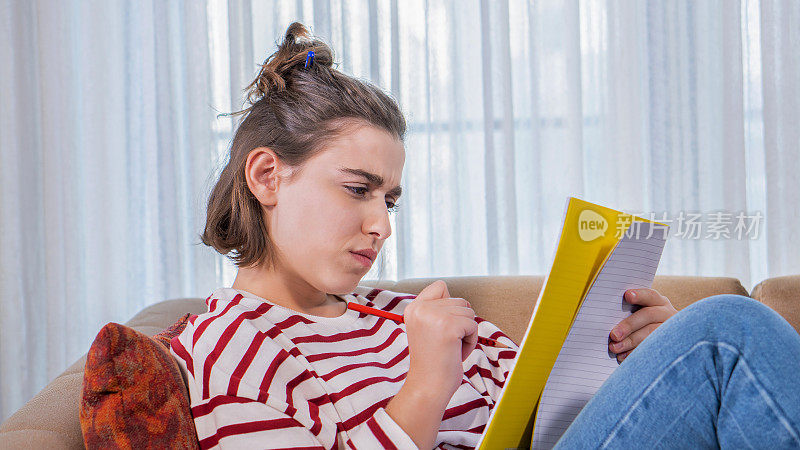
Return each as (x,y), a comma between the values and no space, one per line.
(434,291)
(469,341)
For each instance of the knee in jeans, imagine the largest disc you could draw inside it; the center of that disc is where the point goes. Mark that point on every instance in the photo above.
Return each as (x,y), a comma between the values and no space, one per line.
(730,312)
(724,303)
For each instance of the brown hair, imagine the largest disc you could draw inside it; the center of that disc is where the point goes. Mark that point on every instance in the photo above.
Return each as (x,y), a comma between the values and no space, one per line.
(294,110)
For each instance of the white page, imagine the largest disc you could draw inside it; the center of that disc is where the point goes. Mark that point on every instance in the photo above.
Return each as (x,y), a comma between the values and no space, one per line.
(584,362)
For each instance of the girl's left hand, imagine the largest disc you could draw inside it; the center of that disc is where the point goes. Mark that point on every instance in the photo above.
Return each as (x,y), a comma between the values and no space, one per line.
(630,332)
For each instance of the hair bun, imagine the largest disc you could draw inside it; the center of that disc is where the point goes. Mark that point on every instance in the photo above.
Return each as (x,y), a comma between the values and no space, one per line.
(291,55)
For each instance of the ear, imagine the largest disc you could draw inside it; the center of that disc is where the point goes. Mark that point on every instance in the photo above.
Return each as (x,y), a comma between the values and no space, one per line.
(261,171)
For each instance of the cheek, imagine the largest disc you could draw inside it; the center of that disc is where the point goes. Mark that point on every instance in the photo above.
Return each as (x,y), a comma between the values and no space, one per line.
(323,220)
(332,224)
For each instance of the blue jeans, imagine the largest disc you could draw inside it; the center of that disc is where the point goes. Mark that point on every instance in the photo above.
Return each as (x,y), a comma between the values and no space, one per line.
(723,372)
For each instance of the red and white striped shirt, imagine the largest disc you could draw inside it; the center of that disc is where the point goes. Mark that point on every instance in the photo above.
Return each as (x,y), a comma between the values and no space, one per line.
(264,376)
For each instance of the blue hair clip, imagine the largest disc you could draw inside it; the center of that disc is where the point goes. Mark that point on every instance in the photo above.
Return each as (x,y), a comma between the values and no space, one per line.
(309,59)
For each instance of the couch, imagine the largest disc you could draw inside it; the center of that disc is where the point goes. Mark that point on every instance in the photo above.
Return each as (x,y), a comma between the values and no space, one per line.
(50,419)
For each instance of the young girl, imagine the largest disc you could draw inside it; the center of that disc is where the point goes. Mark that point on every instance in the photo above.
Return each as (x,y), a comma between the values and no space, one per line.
(303,205)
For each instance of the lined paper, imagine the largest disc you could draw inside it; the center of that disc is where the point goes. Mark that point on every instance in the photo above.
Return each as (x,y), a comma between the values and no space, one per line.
(585,362)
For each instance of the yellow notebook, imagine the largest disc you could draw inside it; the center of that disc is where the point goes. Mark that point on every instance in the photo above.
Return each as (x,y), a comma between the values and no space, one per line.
(601,253)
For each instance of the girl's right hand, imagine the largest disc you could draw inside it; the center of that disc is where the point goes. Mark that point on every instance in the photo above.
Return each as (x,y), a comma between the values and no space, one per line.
(441,332)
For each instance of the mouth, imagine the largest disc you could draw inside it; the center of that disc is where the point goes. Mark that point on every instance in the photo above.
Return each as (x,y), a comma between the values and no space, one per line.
(366,256)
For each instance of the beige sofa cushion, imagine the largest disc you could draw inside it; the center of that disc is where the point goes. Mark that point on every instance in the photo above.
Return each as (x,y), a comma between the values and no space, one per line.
(783,295)
(683,291)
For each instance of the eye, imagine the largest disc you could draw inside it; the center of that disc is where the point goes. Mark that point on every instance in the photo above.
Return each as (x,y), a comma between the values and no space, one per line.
(361,192)
(358,190)
(392,206)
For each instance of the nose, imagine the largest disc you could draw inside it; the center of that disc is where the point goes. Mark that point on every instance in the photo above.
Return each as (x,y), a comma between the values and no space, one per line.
(377,222)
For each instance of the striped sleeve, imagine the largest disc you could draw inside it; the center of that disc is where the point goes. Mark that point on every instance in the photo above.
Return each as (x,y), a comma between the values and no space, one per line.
(237,404)
(487,367)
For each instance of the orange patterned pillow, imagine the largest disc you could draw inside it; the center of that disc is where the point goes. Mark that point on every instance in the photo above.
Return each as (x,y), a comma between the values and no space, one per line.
(134,395)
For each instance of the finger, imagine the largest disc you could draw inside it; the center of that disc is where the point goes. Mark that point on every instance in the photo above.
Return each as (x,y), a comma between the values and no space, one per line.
(461,301)
(637,320)
(621,357)
(470,339)
(457,310)
(645,297)
(632,341)
(465,311)
(435,290)
(452,301)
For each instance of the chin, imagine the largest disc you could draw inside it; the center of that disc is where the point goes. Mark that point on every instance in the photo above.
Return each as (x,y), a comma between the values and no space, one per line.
(343,288)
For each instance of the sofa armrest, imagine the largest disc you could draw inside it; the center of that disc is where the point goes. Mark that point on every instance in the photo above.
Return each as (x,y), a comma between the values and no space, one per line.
(49,419)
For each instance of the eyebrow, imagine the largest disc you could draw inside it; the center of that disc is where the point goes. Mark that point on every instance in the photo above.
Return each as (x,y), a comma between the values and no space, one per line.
(373,179)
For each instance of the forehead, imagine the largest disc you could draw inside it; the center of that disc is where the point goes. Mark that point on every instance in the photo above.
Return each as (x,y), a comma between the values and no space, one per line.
(367,148)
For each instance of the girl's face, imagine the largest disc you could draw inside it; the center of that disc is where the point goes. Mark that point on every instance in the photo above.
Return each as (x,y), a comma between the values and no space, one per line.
(336,205)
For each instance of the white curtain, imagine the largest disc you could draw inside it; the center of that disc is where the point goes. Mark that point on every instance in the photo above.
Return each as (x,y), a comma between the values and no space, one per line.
(105,152)
(110,141)
(682,111)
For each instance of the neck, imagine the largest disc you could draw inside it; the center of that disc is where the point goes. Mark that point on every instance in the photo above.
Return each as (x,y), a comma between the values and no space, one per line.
(288,292)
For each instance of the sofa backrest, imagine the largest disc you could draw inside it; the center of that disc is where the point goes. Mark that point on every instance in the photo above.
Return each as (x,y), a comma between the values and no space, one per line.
(508,301)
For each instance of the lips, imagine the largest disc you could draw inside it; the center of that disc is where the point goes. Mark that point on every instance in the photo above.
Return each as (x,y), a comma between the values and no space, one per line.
(368,253)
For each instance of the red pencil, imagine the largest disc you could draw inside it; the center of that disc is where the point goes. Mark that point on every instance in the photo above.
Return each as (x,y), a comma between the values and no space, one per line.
(399,319)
